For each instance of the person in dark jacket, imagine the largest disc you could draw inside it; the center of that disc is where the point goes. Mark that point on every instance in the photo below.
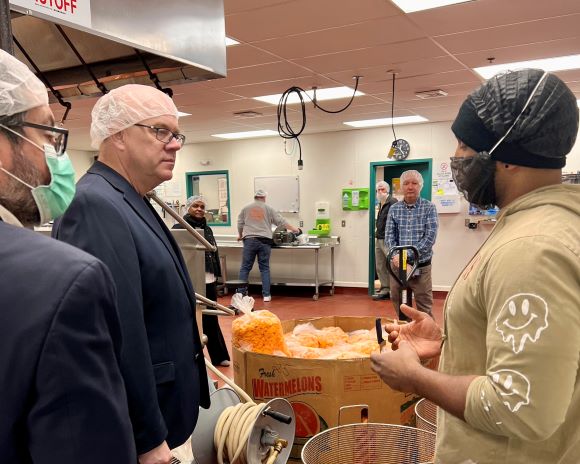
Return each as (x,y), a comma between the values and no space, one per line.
(381,249)
(195,217)
(135,128)
(63,398)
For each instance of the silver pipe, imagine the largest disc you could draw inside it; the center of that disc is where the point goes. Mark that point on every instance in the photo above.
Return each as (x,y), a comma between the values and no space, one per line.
(214,304)
(213,312)
(208,246)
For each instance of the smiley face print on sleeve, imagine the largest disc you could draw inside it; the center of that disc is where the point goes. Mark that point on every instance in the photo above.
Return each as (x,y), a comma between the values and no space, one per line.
(522,318)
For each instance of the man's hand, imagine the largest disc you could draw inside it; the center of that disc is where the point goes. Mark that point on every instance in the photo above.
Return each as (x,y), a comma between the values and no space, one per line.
(395,261)
(422,333)
(159,455)
(397,368)
(239,238)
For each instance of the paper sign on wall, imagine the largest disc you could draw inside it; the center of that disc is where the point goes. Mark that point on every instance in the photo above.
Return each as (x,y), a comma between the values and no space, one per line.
(72,11)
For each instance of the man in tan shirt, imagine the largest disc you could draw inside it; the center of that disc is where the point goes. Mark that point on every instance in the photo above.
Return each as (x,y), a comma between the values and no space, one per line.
(508,385)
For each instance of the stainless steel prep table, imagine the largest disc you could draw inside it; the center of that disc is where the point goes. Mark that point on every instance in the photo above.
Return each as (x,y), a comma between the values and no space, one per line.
(316,244)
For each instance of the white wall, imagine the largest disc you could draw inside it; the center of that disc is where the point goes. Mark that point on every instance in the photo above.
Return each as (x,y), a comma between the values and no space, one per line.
(81,161)
(333,161)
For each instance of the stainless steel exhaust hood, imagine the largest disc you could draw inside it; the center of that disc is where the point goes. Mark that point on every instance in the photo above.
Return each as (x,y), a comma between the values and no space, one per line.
(179,41)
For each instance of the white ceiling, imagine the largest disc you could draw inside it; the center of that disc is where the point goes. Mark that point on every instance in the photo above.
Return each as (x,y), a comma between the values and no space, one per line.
(324,43)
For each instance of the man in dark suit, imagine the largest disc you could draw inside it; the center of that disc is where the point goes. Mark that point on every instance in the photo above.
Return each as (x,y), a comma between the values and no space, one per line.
(136,131)
(63,398)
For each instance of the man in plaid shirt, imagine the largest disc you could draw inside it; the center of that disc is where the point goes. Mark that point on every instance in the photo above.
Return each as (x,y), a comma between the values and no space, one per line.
(413,221)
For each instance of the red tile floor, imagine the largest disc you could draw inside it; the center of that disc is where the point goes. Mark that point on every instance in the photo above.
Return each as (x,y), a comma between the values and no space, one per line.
(296,303)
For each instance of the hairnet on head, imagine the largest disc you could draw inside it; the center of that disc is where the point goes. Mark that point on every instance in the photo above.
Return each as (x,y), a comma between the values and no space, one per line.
(382,183)
(126,106)
(412,174)
(260,193)
(20,89)
(543,135)
(191,200)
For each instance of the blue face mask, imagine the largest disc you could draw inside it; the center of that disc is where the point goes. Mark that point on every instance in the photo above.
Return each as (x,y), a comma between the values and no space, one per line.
(53,199)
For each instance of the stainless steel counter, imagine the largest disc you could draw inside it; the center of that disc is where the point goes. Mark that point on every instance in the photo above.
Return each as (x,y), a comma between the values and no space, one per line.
(314,245)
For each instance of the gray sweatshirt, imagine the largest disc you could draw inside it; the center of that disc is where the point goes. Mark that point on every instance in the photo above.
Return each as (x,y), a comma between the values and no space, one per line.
(256,219)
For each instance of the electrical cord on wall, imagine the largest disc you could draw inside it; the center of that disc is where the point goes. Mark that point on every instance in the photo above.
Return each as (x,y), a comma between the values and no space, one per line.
(285,129)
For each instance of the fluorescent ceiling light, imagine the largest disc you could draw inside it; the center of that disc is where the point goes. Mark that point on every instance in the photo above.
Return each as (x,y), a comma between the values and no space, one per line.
(230,41)
(181,114)
(246,135)
(321,94)
(560,63)
(409,6)
(386,121)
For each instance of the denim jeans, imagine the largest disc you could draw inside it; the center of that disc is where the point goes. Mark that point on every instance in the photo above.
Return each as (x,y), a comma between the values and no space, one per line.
(252,248)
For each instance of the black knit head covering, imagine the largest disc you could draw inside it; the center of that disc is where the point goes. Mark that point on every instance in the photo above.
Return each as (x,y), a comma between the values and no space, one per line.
(543,135)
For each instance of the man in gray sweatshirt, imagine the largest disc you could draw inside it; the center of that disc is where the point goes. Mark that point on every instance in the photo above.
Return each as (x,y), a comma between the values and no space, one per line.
(255,229)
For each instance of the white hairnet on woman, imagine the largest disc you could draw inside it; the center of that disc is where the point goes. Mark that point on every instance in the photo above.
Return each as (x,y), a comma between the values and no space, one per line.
(20,89)
(191,200)
(126,106)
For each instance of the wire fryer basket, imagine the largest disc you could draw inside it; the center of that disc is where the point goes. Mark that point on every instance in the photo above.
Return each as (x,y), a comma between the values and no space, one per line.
(426,412)
(370,443)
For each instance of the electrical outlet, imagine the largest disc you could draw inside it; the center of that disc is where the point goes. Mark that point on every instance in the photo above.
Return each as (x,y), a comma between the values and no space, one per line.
(343,223)
(301,224)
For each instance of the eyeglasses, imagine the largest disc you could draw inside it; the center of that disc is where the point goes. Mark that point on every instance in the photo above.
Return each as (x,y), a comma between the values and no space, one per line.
(57,133)
(165,135)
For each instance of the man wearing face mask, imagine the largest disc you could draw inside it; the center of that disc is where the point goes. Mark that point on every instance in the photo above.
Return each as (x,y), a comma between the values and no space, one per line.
(508,383)
(135,128)
(413,221)
(381,250)
(63,395)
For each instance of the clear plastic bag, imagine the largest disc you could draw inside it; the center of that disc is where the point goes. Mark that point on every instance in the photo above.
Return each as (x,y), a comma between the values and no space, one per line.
(242,303)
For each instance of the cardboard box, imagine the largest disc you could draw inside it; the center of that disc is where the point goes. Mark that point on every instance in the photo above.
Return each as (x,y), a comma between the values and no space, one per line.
(318,388)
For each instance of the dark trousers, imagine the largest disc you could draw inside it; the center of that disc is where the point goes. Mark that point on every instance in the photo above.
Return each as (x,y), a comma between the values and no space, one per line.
(216,345)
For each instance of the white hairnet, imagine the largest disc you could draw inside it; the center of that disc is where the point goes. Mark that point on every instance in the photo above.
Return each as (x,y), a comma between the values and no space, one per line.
(20,89)
(191,200)
(382,183)
(411,173)
(126,106)
(260,193)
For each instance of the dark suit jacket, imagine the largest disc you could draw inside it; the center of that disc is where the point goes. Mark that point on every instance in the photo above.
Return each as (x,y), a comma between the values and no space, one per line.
(63,398)
(162,361)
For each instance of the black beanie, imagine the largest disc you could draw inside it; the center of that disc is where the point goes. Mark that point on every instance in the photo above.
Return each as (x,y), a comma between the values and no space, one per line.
(543,135)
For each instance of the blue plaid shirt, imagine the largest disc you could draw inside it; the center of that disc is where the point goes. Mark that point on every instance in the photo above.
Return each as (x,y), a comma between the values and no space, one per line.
(413,225)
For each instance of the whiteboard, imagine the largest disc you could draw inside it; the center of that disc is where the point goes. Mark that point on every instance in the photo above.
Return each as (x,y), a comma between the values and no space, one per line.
(283,192)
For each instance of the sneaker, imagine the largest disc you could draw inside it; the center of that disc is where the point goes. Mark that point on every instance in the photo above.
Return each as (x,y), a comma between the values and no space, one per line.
(381,296)
(225,363)
(267,298)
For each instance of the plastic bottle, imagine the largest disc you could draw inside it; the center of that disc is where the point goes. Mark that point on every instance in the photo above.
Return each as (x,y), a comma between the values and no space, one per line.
(345,201)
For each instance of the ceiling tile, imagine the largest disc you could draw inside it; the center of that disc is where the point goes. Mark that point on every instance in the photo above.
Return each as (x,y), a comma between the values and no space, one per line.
(526,33)
(482,14)
(284,19)
(339,39)
(509,54)
(387,55)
